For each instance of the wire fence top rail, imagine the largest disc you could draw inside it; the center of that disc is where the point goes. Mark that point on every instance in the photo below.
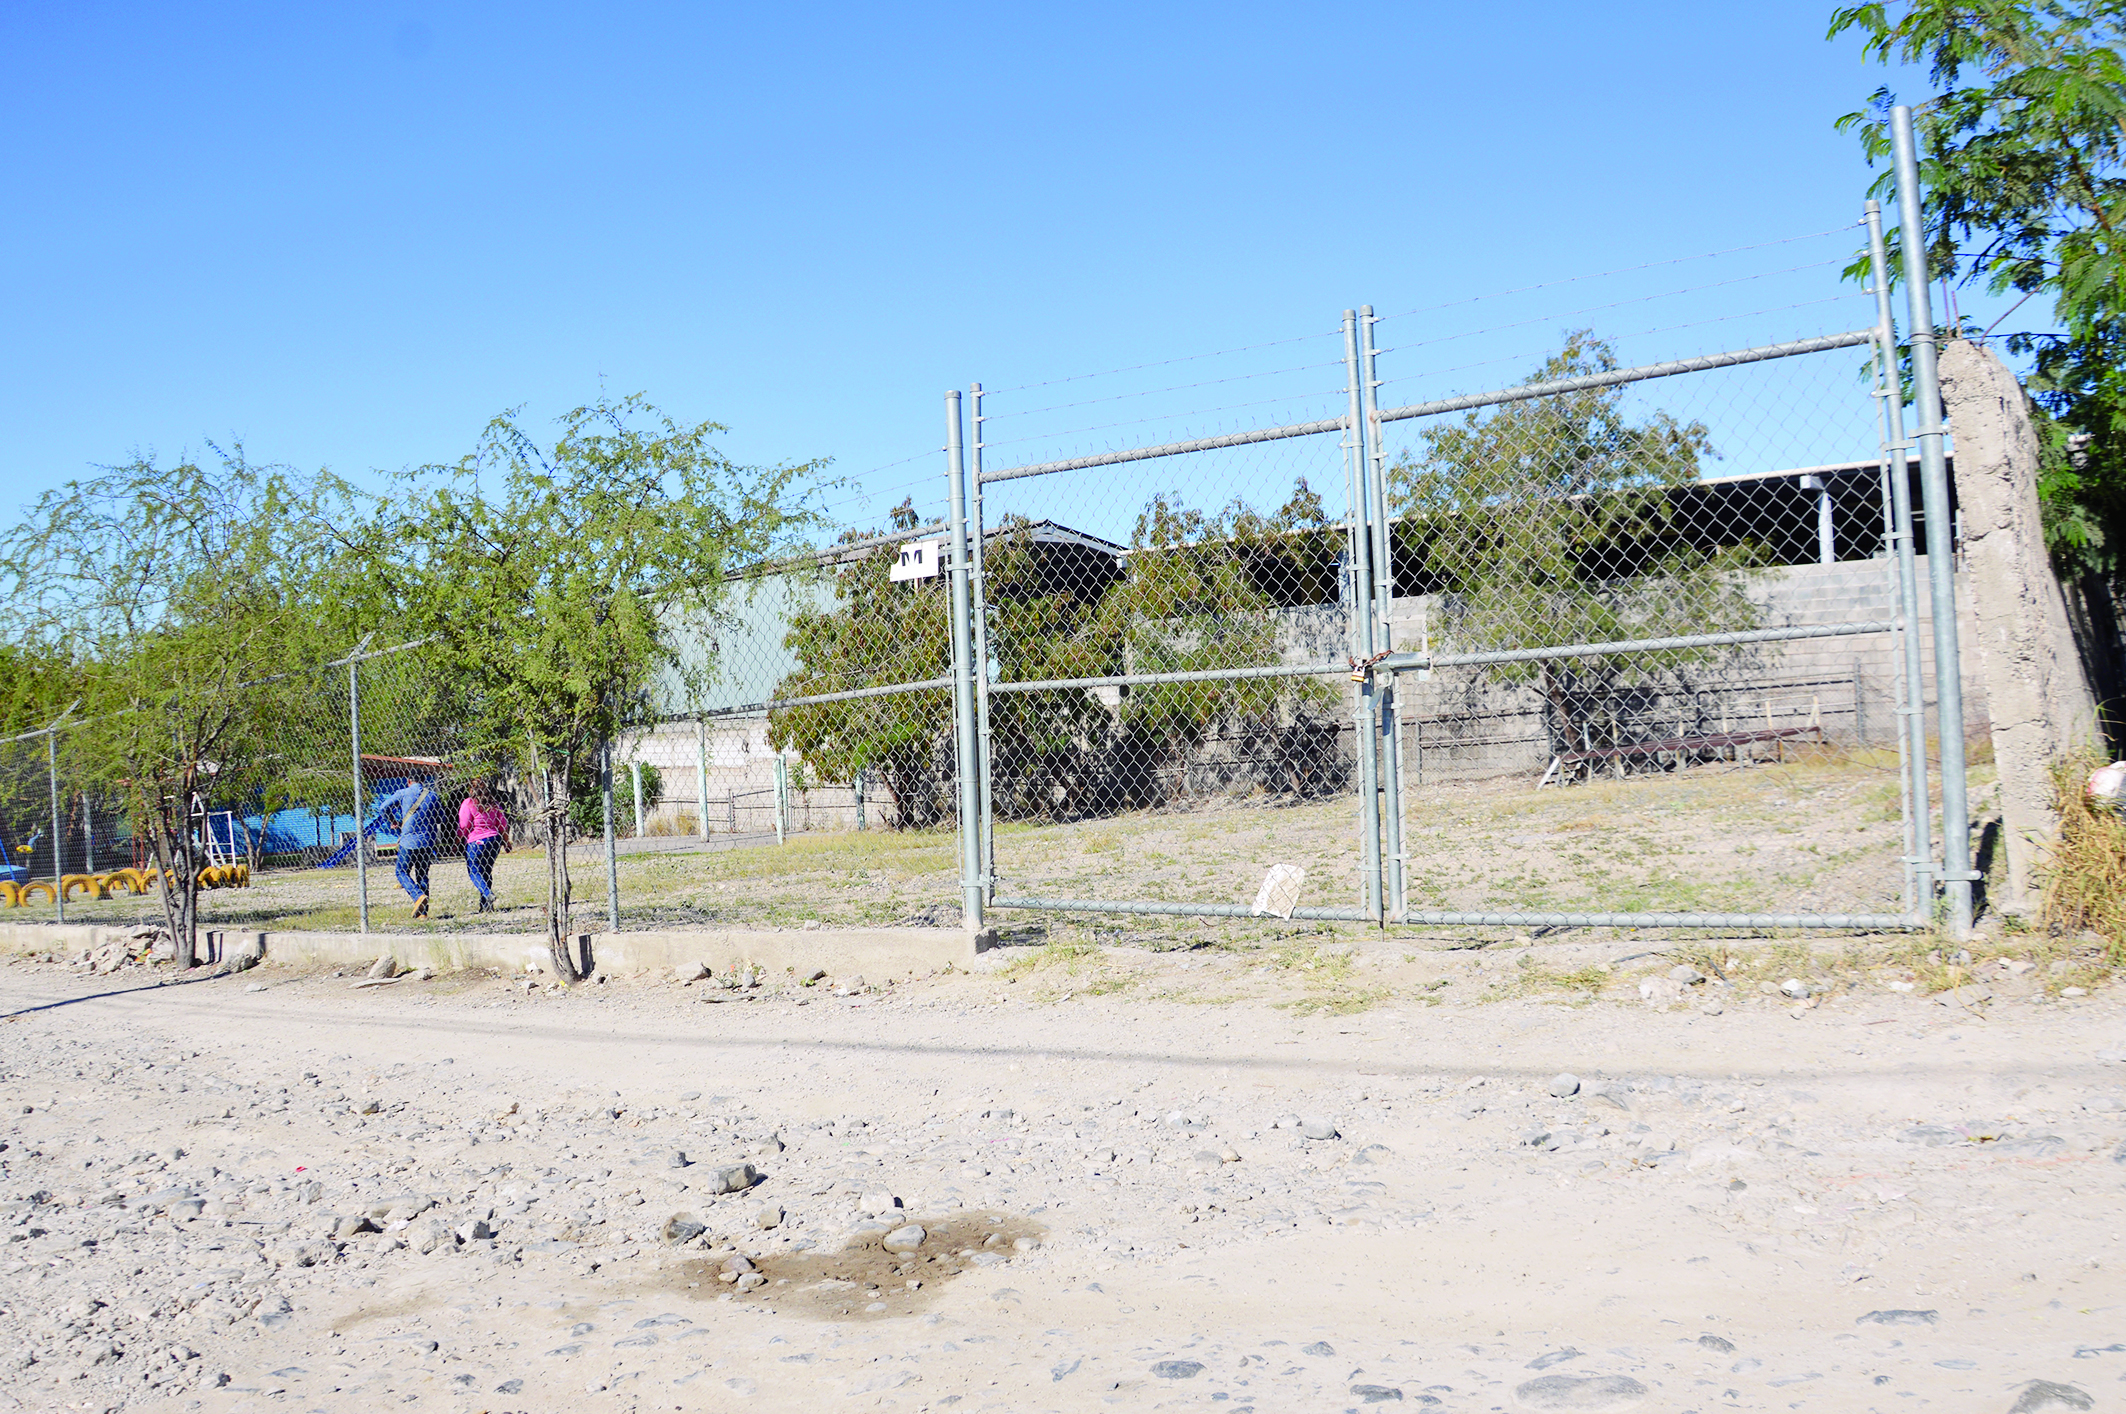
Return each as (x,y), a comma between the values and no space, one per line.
(1518,393)
(1440,918)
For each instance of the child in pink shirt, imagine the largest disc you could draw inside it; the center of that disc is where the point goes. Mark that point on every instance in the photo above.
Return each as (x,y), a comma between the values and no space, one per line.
(484,827)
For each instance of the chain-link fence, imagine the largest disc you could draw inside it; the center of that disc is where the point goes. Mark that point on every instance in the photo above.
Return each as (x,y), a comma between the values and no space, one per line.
(1641,641)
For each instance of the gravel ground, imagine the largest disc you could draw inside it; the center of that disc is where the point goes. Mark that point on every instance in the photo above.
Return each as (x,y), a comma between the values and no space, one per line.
(1145,1180)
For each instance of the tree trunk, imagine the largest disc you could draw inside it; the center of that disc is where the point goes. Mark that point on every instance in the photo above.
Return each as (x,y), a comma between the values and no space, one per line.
(1554,693)
(559,944)
(184,953)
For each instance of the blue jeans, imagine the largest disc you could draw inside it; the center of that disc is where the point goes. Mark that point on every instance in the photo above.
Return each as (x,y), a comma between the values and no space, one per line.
(480,858)
(413,869)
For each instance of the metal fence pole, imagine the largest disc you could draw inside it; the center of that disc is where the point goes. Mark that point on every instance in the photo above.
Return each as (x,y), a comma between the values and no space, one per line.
(1374,459)
(51,761)
(612,850)
(1956,874)
(986,822)
(970,831)
(635,772)
(701,774)
(354,743)
(1366,715)
(1897,483)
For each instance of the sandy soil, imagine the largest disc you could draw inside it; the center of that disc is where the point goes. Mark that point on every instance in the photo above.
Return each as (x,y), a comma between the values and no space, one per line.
(1878,1201)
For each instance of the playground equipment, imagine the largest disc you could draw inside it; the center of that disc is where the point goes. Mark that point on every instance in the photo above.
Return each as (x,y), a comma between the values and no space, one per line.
(118,881)
(15,873)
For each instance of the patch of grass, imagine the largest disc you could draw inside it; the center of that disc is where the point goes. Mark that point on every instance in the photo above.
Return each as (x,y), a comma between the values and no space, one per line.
(1342,1002)
(2085,878)
(1333,966)
(1071,955)
(1534,980)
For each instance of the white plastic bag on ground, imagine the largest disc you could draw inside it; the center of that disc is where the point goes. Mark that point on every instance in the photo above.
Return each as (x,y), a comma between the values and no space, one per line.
(1279,893)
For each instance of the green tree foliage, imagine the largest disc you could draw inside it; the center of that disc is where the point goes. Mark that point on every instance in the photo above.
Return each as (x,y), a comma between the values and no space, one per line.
(1554,521)
(166,605)
(1196,592)
(1203,592)
(556,579)
(879,633)
(586,797)
(2021,159)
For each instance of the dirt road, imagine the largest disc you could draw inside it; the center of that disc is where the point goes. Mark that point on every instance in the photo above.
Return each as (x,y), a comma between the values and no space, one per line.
(1129,1197)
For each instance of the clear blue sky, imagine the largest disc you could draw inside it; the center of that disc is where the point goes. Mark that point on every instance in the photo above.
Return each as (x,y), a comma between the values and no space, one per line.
(348,234)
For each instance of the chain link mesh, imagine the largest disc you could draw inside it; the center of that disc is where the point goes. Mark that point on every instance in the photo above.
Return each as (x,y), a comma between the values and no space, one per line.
(1417,663)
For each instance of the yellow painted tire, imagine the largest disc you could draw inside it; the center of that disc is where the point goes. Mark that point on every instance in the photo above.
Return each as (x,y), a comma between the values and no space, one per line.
(243,876)
(11,893)
(213,876)
(51,895)
(119,879)
(93,885)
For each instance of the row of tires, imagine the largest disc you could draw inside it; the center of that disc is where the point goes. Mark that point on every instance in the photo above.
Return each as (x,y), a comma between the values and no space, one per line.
(117,882)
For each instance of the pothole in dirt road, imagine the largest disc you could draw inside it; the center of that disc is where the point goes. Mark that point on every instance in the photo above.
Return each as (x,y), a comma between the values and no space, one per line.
(863,1279)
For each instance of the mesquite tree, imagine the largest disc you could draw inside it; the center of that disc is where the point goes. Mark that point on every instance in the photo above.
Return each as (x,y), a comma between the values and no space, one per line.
(164,604)
(2022,136)
(556,580)
(1556,521)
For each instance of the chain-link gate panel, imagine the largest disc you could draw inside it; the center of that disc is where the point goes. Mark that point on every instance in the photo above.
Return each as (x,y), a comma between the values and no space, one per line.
(1608,646)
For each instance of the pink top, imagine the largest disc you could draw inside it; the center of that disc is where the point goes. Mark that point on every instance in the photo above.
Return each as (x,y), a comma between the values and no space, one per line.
(477,822)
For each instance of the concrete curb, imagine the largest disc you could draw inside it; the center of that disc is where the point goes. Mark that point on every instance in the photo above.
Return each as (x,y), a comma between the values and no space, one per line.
(872,952)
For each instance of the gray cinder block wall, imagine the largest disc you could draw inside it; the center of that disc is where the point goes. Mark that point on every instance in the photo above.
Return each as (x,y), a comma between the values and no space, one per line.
(1458,725)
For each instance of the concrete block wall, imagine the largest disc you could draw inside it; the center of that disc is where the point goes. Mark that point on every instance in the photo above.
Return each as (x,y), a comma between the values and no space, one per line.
(1458,725)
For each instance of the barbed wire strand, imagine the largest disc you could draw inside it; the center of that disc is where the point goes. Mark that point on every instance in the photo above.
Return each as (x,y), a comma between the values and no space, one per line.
(1639,334)
(1620,270)
(1615,304)
(1163,363)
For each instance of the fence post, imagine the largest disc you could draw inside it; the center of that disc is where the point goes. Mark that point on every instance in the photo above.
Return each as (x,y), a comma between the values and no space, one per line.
(985,821)
(354,742)
(1941,551)
(1374,459)
(701,774)
(612,849)
(88,834)
(635,770)
(1366,737)
(51,761)
(1897,477)
(859,787)
(970,830)
(782,798)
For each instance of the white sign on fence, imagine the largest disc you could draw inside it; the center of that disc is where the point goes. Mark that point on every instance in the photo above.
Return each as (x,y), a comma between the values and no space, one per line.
(919,559)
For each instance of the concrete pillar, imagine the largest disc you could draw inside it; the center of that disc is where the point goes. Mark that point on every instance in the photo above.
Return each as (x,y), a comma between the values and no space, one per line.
(2037,695)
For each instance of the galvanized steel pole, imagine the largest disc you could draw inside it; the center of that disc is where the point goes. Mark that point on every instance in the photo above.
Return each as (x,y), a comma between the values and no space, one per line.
(701,774)
(1374,460)
(963,674)
(1941,550)
(1912,724)
(354,742)
(978,596)
(612,851)
(51,761)
(1365,740)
